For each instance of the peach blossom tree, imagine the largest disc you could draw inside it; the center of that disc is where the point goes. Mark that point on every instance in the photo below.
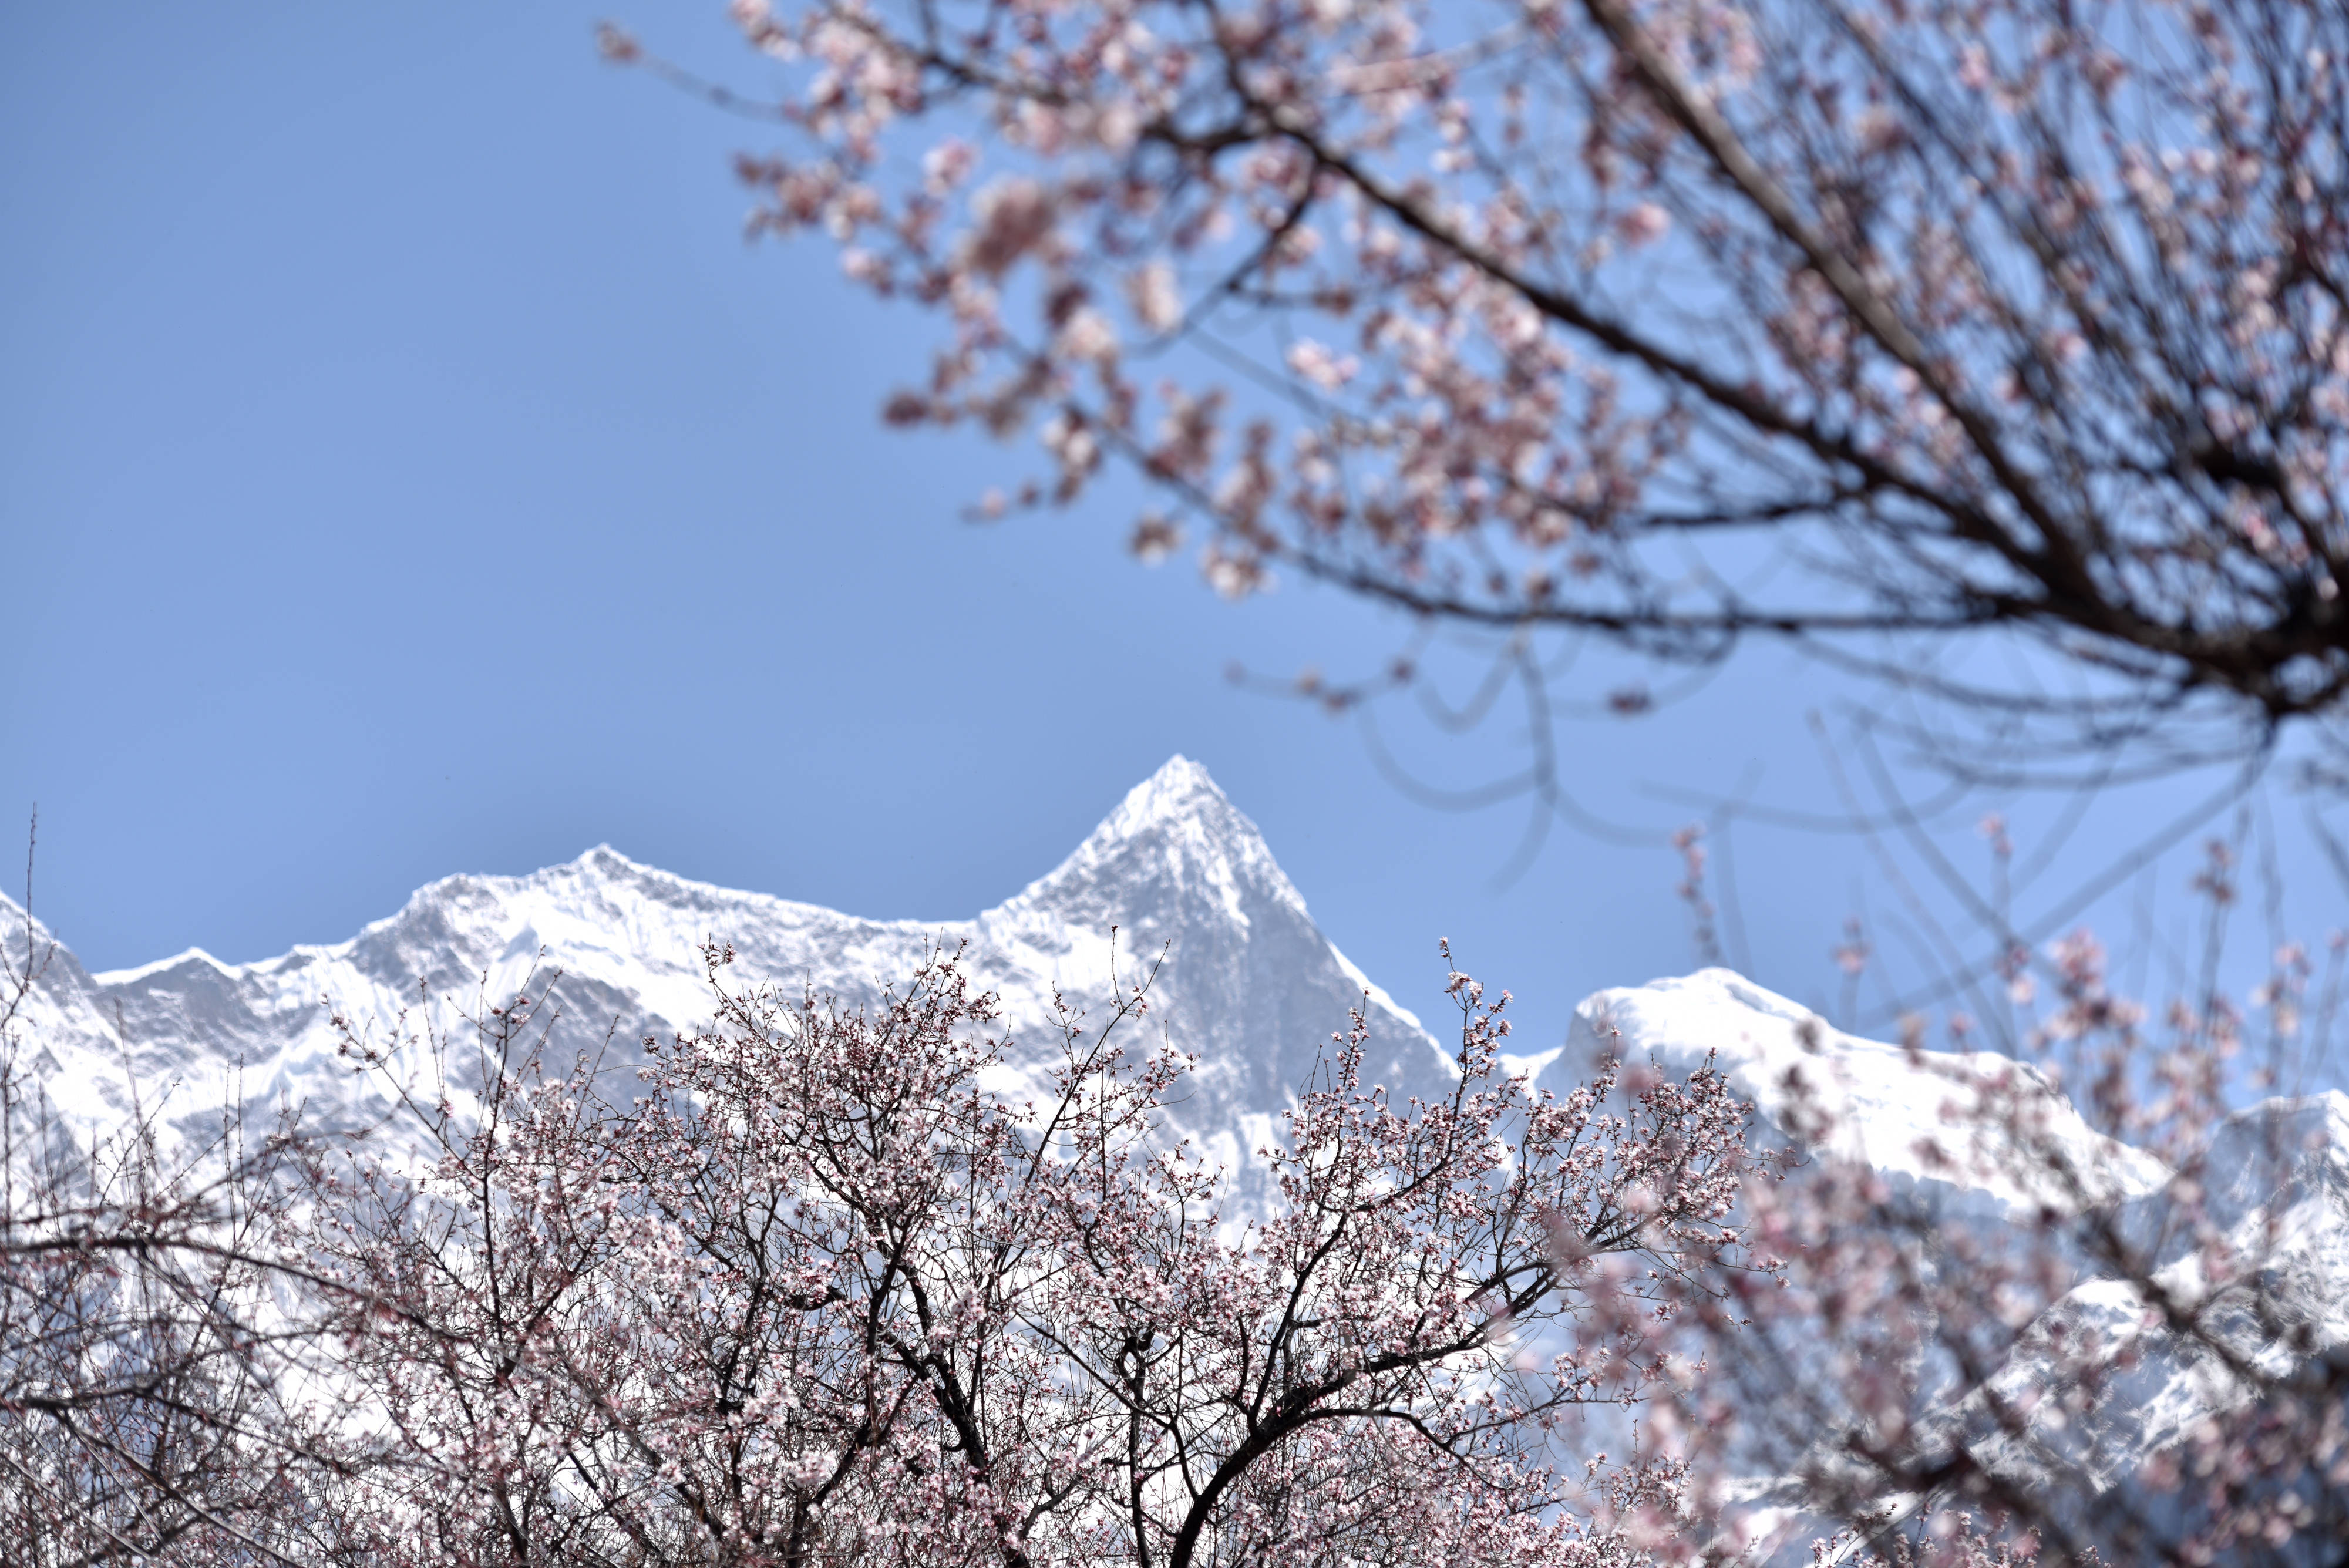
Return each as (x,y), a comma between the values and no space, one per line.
(1882,326)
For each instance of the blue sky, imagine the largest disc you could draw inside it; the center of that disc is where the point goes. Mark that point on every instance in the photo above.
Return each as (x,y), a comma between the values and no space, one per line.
(407,468)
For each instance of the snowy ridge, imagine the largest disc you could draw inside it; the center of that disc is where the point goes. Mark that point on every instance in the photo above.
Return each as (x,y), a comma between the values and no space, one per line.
(1889,1107)
(2273,1182)
(1249,982)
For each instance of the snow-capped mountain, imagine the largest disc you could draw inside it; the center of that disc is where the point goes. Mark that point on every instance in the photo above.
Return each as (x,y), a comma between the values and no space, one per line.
(2266,1199)
(1252,986)
(1248,981)
(1884,1106)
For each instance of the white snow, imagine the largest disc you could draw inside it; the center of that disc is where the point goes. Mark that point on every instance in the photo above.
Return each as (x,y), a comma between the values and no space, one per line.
(1887,1105)
(1250,984)
(2274,1179)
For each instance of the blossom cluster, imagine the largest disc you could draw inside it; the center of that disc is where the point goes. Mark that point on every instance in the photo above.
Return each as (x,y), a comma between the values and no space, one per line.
(1671,320)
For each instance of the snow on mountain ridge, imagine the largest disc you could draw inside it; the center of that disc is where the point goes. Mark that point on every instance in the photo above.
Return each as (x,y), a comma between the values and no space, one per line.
(2272,1186)
(1249,982)
(1891,1107)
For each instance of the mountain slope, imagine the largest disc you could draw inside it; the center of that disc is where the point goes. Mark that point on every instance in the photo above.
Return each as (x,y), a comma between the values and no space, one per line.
(2266,1199)
(1249,982)
(1889,1106)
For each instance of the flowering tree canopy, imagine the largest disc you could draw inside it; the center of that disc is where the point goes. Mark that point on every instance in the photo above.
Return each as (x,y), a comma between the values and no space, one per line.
(2045,1346)
(824,1294)
(1860,322)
